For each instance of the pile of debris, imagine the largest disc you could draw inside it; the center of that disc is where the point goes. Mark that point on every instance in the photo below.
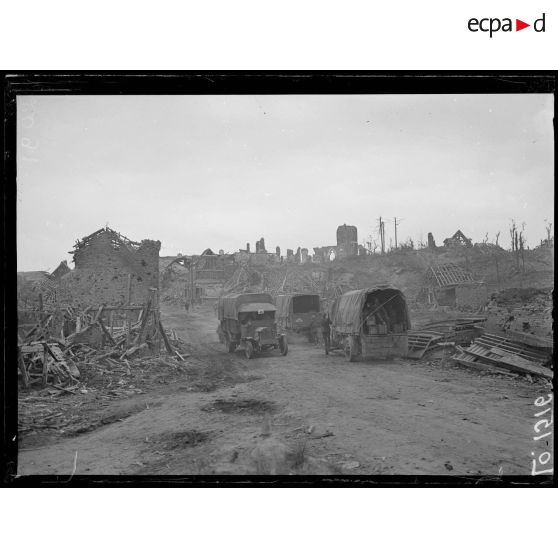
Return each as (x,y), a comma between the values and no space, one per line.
(445,333)
(101,382)
(55,361)
(525,354)
(527,310)
(469,345)
(39,362)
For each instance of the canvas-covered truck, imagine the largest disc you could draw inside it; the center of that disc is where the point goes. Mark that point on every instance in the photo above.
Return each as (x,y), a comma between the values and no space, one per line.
(298,313)
(247,321)
(370,322)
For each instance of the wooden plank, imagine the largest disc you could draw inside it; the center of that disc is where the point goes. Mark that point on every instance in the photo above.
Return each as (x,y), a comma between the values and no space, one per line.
(45,366)
(23,369)
(144,320)
(99,312)
(52,352)
(42,324)
(165,339)
(473,364)
(86,238)
(519,347)
(123,307)
(517,361)
(531,340)
(511,349)
(129,288)
(128,328)
(512,364)
(30,349)
(105,331)
(64,389)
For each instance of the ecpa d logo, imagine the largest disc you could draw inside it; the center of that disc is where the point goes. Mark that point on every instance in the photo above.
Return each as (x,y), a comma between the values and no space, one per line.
(492,25)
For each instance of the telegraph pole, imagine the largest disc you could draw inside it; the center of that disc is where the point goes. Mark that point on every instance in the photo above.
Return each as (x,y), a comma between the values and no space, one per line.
(396,223)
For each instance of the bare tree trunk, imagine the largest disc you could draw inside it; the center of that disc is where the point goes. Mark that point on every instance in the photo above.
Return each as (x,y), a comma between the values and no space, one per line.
(497,271)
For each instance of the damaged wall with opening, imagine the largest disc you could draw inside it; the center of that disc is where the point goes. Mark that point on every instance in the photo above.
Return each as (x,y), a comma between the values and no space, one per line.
(110,269)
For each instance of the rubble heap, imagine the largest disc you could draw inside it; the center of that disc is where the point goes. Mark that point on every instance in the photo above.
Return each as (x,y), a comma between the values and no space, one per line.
(54,360)
(526,310)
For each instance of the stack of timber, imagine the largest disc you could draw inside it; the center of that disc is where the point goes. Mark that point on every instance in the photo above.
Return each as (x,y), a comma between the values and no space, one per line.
(455,332)
(523,354)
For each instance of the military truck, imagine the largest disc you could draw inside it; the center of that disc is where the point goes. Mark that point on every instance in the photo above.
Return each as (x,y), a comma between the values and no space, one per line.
(298,313)
(247,321)
(370,322)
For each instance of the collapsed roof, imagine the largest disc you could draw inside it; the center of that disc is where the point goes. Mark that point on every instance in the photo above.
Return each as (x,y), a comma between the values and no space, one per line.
(448,275)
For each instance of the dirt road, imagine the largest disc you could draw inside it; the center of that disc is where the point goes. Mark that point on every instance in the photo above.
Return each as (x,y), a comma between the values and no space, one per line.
(309,413)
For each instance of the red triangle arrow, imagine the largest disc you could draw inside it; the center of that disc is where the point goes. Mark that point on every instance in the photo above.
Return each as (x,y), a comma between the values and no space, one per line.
(519,25)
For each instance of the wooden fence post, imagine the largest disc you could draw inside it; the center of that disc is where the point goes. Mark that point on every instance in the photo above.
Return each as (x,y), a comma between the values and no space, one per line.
(45,365)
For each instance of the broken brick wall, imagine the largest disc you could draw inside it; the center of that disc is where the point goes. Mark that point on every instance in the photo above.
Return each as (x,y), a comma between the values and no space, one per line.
(471,296)
(102,268)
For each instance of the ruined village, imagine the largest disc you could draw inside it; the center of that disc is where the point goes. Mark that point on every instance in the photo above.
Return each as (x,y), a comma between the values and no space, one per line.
(215,363)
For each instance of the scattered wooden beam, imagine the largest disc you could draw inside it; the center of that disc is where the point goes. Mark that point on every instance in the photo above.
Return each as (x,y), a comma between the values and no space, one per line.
(23,369)
(106,332)
(99,312)
(63,389)
(514,363)
(144,320)
(168,347)
(129,290)
(45,365)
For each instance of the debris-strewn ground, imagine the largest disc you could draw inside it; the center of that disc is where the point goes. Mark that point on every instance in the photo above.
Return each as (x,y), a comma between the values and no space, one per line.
(217,413)
(110,390)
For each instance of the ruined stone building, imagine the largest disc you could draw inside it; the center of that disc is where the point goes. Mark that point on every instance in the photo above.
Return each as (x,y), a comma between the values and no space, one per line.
(450,285)
(39,289)
(324,254)
(347,246)
(260,245)
(197,277)
(110,269)
(260,257)
(458,239)
(431,241)
(210,273)
(61,270)
(35,289)
(347,241)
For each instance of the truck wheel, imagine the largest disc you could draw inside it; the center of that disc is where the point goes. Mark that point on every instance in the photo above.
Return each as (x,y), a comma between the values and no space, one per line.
(283,345)
(249,350)
(351,351)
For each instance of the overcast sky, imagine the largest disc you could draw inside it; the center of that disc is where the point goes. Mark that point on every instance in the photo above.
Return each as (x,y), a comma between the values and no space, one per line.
(219,171)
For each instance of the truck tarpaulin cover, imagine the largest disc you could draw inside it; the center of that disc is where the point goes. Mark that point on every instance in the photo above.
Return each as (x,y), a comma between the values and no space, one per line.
(347,310)
(286,303)
(283,303)
(229,306)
